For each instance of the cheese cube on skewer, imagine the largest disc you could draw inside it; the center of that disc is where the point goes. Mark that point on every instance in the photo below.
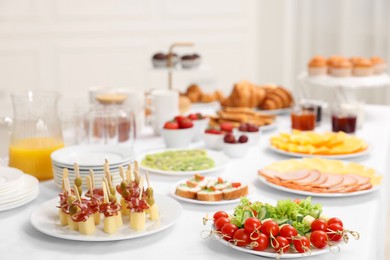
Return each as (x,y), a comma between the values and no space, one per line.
(87,227)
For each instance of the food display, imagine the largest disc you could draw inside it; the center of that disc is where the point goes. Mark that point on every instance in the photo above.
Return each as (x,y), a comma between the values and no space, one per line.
(317,175)
(240,115)
(267,97)
(312,143)
(210,189)
(179,160)
(195,93)
(291,228)
(339,66)
(83,213)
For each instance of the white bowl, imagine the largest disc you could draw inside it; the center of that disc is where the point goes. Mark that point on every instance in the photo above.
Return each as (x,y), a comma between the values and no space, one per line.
(253,137)
(236,150)
(200,126)
(213,141)
(175,138)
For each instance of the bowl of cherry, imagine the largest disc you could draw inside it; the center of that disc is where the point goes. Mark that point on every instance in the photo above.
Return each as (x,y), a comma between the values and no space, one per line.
(178,132)
(213,135)
(250,130)
(235,146)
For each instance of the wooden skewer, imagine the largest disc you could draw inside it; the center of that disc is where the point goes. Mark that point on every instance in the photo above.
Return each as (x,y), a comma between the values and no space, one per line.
(106,182)
(89,185)
(67,186)
(141,187)
(77,194)
(76,170)
(92,178)
(147,179)
(105,196)
(65,173)
(122,173)
(136,166)
(128,173)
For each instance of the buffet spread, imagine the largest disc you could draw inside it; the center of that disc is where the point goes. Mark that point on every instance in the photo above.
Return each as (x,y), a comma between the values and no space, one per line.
(262,175)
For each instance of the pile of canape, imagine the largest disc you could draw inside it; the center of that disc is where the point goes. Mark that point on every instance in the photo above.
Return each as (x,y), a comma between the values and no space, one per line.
(83,212)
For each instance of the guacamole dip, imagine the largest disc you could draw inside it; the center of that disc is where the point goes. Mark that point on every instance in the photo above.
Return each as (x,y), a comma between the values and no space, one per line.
(179,160)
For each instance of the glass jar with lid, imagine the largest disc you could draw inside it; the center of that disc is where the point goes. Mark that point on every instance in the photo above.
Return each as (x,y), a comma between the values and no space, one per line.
(110,120)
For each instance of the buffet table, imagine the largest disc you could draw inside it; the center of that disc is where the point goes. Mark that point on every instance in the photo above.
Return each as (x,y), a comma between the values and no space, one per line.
(366,214)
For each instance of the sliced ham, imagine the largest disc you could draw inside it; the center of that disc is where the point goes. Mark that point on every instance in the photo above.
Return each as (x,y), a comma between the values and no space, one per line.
(294,176)
(360,179)
(308,180)
(323,178)
(332,181)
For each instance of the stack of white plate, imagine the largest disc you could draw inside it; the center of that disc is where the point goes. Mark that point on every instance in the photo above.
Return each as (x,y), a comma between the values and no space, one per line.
(16,188)
(91,157)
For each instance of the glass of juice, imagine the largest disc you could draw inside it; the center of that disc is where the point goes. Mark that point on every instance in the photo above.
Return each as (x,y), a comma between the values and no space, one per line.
(36,132)
(344,119)
(303,118)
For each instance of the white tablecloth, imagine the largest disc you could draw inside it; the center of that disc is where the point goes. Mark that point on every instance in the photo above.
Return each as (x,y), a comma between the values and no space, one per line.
(366,214)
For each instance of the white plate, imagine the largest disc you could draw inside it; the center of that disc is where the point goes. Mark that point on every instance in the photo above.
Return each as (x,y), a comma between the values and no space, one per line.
(325,195)
(9,176)
(45,219)
(336,156)
(269,252)
(92,155)
(20,202)
(194,201)
(26,186)
(269,127)
(220,160)
(275,111)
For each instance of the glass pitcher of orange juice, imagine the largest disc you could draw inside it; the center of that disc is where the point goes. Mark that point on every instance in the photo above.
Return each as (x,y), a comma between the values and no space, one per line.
(36,132)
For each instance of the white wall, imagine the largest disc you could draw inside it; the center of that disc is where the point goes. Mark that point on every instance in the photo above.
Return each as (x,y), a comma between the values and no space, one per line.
(74,44)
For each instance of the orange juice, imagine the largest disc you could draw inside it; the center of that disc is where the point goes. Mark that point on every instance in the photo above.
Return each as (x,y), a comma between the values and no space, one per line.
(32,155)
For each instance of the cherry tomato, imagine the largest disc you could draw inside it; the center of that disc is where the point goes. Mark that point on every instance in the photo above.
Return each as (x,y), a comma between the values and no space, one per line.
(252,224)
(220,223)
(220,214)
(228,231)
(281,244)
(319,239)
(288,231)
(335,221)
(332,228)
(242,237)
(262,242)
(270,227)
(297,201)
(301,244)
(319,224)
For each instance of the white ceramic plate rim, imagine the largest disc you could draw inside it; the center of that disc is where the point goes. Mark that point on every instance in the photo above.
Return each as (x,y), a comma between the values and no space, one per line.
(270,254)
(28,185)
(10,176)
(45,219)
(336,156)
(275,111)
(212,154)
(62,155)
(194,201)
(325,195)
(20,203)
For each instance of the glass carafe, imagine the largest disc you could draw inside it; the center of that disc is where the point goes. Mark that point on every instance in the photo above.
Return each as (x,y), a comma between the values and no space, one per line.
(36,132)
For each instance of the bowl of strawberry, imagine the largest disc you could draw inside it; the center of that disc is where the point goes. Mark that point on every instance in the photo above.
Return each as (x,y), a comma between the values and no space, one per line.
(200,124)
(235,146)
(250,130)
(213,138)
(178,132)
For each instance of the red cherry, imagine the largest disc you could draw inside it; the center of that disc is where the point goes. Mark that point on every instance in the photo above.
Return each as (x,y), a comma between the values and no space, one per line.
(229,138)
(243,139)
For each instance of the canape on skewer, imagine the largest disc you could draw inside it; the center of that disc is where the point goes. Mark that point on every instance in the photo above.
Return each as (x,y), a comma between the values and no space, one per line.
(124,189)
(153,210)
(96,195)
(64,206)
(138,207)
(110,208)
(84,215)
(112,192)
